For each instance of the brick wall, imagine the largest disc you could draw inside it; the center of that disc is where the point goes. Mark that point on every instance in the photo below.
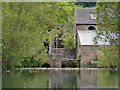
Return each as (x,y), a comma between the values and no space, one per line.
(88,56)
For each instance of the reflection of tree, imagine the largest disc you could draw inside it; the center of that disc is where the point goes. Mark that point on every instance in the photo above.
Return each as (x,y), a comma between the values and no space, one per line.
(107,78)
(119,79)
(25,79)
(78,79)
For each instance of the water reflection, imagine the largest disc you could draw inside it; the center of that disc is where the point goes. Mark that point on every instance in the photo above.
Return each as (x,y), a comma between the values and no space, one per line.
(88,78)
(60,79)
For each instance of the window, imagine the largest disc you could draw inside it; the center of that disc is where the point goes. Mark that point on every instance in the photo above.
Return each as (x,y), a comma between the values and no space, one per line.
(91,28)
(93,16)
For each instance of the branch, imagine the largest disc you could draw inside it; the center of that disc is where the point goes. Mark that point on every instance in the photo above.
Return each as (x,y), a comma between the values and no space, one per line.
(18,18)
(25,14)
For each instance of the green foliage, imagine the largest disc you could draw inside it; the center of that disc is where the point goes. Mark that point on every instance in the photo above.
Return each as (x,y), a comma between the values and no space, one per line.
(68,41)
(78,60)
(79,56)
(31,62)
(73,64)
(69,64)
(107,56)
(86,4)
(25,28)
(68,38)
(107,19)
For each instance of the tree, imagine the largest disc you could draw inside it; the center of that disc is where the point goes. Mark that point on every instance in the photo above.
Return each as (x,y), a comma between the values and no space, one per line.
(25,28)
(85,4)
(107,19)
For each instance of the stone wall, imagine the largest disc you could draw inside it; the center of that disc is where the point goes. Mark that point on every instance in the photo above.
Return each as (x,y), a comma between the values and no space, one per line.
(58,55)
(65,53)
(88,56)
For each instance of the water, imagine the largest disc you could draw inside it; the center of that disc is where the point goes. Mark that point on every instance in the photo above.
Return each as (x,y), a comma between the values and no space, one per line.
(60,79)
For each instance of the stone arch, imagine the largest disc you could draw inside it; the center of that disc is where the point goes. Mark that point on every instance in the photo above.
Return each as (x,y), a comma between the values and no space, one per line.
(91,28)
(46,65)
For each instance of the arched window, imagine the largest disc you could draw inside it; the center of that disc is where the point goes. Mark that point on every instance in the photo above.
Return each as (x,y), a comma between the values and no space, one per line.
(91,28)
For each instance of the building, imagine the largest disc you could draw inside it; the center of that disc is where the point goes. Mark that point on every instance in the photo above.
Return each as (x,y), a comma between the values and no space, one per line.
(83,26)
(84,32)
(57,54)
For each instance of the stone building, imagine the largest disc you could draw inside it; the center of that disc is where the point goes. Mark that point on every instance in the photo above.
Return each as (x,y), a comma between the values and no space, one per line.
(84,32)
(83,29)
(84,26)
(57,54)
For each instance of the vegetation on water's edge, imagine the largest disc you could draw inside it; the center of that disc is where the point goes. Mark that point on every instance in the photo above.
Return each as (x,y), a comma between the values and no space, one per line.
(28,27)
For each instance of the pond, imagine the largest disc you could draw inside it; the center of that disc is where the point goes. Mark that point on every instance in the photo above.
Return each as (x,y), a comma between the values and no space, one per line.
(83,78)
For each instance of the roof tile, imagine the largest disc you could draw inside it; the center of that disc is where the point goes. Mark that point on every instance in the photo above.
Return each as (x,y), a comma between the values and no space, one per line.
(83,16)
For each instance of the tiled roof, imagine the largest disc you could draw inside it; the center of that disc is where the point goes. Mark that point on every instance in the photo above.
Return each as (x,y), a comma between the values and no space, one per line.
(86,37)
(83,16)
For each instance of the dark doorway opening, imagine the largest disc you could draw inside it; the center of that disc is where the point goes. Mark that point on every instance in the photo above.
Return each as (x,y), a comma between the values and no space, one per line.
(46,65)
(91,28)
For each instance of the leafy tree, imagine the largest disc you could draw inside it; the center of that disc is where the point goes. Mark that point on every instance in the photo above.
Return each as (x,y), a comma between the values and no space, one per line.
(25,28)
(86,4)
(68,40)
(108,56)
(107,19)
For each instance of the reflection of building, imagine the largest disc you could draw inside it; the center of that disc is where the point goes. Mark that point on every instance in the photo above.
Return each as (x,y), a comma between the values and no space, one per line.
(62,79)
(88,78)
(73,79)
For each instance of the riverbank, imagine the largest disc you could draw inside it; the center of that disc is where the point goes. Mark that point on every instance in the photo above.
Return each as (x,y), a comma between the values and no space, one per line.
(64,68)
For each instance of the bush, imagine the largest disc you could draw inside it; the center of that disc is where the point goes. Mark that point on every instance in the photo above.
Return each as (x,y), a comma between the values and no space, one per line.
(69,64)
(31,62)
(78,61)
(107,57)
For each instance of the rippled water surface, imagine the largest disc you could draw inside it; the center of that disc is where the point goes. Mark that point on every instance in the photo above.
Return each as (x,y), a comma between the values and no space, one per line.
(60,79)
